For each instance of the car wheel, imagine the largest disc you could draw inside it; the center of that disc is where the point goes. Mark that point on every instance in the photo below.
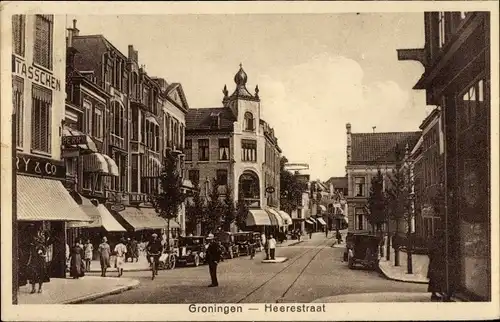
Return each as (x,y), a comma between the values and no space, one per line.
(196,260)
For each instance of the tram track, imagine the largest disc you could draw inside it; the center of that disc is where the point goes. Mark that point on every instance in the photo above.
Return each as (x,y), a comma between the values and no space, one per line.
(316,250)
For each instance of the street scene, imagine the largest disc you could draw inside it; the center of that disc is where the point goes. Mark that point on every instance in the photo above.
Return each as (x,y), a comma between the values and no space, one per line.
(251,158)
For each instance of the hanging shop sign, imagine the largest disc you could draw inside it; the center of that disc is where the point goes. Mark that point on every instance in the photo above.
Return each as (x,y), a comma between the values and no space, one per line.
(270,189)
(40,167)
(35,74)
(74,140)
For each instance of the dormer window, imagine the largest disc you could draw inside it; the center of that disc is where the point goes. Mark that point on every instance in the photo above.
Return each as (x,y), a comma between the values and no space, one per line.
(214,120)
(249,122)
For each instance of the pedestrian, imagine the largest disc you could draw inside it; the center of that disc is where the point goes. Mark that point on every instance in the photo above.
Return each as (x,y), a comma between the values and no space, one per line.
(271,243)
(120,252)
(437,267)
(89,250)
(104,253)
(76,266)
(37,265)
(134,249)
(310,233)
(213,258)
(326,232)
(263,241)
(338,235)
(299,234)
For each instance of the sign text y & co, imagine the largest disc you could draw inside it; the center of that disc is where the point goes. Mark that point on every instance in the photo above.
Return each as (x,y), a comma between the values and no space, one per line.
(41,167)
(35,74)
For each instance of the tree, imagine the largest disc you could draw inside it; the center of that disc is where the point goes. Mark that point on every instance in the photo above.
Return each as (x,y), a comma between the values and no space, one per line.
(215,209)
(229,215)
(195,211)
(377,202)
(241,212)
(397,199)
(291,188)
(168,199)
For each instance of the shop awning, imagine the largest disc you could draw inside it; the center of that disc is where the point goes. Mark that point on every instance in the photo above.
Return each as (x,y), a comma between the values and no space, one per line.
(258,217)
(155,166)
(77,139)
(287,220)
(100,215)
(312,220)
(46,200)
(152,120)
(323,208)
(112,167)
(145,218)
(275,217)
(321,221)
(309,222)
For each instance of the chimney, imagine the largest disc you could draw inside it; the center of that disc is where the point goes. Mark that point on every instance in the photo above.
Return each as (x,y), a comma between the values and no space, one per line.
(72,33)
(348,147)
(76,31)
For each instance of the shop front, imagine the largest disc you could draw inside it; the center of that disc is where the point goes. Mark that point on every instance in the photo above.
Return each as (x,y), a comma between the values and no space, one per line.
(44,207)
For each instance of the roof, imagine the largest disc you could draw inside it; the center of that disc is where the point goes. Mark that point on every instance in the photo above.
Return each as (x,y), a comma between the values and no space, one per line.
(337,182)
(373,148)
(198,119)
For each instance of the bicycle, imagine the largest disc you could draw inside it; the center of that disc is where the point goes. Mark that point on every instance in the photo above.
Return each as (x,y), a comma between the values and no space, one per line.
(154,269)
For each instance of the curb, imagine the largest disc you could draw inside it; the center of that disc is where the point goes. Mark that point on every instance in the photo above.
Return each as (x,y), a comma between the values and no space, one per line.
(294,243)
(387,276)
(132,285)
(124,271)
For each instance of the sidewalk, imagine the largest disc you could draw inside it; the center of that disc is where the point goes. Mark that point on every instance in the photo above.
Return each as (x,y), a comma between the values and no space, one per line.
(399,273)
(376,297)
(72,291)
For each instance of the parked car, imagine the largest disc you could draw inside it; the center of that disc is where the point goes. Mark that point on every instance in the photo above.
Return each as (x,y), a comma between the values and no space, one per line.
(362,248)
(243,240)
(230,248)
(192,250)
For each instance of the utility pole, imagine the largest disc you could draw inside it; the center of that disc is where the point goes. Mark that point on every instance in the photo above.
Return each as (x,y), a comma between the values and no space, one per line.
(410,213)
(15,254)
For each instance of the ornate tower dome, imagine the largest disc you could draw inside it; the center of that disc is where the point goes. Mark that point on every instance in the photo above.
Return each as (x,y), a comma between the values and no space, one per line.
(241,77)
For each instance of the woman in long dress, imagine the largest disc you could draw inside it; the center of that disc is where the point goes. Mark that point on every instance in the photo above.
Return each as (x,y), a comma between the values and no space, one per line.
(436,272)
(104,253)
(120,251)
(76,266)
(37,266)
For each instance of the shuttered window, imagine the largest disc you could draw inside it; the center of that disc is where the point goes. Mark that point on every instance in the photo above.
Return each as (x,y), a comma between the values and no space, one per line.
(18,34)
(40,119)
(43,40)
(97,124)
(18,103)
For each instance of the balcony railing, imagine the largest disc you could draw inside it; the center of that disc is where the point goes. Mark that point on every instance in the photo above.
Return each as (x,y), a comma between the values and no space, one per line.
(117,141)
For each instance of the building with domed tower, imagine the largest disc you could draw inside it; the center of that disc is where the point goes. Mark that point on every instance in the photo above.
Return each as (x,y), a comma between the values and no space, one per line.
(234,145)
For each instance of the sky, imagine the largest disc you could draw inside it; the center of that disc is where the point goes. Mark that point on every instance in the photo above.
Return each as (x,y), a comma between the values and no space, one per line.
(315,72)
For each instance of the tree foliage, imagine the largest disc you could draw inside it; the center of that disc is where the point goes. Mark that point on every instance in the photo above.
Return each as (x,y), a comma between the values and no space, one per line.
(377,202)
(195,211)
(229,212)
(241,213)
(215,209)
(291,188)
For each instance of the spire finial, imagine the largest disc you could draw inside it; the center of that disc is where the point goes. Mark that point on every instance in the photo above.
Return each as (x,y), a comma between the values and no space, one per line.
(257,91)
(224,91)
(241,65)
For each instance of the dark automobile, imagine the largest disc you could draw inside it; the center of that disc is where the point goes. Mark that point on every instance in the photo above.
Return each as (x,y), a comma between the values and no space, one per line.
(362,248)
(243,241)
(192,250)
(227,240)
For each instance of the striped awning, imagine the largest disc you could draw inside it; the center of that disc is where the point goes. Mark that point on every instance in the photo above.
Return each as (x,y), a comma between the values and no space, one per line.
(275,217)
(287,220)
(309,222)
(100,215)
(145,218)
(312,220)
(152,120)
(100,163)
(41,199)
(258,217)
(70,136)
(323,208)
(321,221)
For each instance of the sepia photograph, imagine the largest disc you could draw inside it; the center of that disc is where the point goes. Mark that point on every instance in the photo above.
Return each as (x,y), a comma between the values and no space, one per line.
(250,164)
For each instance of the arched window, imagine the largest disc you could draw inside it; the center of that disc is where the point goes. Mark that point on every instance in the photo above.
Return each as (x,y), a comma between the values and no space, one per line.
(249,122)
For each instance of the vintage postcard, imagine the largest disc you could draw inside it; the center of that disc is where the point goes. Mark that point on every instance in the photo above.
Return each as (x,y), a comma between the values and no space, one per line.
(275,160)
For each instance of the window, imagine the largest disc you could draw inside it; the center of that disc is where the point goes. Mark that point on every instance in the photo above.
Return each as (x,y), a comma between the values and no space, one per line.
(97,126)
(134,173)
(249,150)
(182,135)
(87,112)
(223,149)
(18,104)
(118,116)
(472,99)
(221,177)
(135,124)
(43,40)
(194,176)
(145,96)
(157,138)
(249,122)
(203,150)
(442,29)
(18,34)
(41,119)
(359,186)
(87,180)
(188,151)
(214,121)
(360,219)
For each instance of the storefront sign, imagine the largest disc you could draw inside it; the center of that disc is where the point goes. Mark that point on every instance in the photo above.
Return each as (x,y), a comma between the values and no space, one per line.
(270,189)
(35,74)
(74,140)
(41,167)
(117,207)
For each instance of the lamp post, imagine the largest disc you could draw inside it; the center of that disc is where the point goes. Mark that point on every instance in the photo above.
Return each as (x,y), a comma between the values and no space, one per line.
(15,254)
(410,211)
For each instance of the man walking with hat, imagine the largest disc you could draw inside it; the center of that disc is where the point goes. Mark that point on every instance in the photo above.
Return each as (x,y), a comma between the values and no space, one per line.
(213,258)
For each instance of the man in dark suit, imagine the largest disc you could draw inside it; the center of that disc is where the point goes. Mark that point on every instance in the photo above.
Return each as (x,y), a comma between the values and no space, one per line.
(213,258)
